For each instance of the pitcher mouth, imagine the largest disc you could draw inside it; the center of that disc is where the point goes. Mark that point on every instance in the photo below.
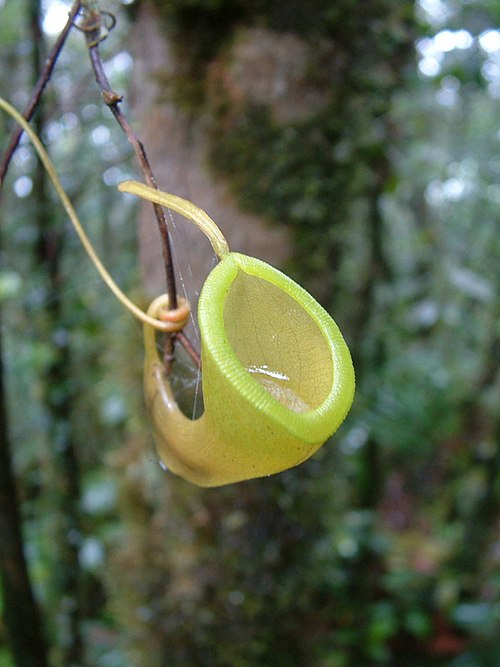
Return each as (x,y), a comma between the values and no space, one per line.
(311,406)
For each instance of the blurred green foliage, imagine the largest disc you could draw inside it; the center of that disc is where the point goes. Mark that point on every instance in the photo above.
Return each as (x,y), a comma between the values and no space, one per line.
(383,550)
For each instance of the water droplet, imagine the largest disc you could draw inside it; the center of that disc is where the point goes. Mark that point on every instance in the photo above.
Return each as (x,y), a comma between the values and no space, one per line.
(163,465)
(268,372)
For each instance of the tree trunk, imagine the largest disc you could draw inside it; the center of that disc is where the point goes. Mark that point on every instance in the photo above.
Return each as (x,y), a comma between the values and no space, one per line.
(177,147)
(63,490)
(20,610)
(275,126)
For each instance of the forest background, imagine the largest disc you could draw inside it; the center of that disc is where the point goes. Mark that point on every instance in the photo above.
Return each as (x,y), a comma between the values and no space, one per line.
(357,146)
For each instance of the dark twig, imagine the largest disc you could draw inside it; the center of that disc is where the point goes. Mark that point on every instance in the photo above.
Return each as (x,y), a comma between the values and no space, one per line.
(112,100)
(92,28)
(189,347)
(39,88)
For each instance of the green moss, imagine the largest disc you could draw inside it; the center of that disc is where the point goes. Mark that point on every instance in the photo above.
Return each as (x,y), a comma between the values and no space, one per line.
(201,28)
(309,175)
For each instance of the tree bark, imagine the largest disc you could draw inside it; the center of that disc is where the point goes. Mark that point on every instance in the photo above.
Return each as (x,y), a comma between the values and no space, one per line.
(63,492)
(20,610)
(177,148)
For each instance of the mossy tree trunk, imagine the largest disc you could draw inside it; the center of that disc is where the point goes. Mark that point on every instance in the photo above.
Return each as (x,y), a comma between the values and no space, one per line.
(20,610)
(275,119)
(62,495)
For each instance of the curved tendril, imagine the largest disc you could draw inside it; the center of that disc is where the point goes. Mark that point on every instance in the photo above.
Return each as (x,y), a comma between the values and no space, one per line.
(49,167)
(182,206)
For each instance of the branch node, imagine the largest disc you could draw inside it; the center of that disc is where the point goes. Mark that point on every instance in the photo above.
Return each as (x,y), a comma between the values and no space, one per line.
(111,98)
(96,26)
